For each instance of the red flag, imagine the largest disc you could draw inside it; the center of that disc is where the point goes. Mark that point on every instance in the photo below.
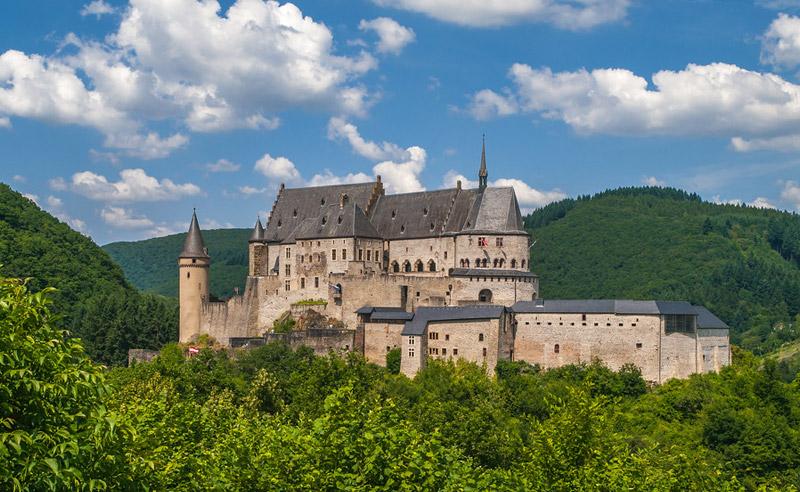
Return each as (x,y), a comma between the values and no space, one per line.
(193,350)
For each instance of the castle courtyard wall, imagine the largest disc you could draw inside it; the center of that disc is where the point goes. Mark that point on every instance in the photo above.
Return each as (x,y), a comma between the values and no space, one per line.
(379,338)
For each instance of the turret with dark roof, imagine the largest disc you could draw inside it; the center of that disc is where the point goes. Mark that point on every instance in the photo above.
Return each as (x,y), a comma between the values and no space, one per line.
(194,246)
(258,232)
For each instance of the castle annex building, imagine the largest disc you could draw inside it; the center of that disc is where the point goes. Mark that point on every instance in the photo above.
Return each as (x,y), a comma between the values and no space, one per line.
(392,266)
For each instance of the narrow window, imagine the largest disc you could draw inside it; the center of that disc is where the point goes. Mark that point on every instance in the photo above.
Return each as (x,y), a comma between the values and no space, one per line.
(288,285)
(411,351)
(498,241)
(411,340)
(188,275)
(316,282)
(481,242)
(480,337)
(288,253)
(556,349)
(447,337)
(369,254)
(455,351)
(288,270)
(445,255)
(333,254)
(484,351)
(302,282)
(361,254)
(344,254)
(444,351)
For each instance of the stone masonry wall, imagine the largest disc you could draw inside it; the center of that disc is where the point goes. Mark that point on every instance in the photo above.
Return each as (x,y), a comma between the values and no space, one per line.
(378,336)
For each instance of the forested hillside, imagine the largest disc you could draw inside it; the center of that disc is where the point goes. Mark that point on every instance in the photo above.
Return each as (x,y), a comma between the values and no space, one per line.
(659,243)
(98,304)
(152,265)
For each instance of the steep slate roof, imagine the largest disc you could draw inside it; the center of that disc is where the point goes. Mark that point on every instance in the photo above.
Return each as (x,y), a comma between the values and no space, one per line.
(194,247)
(605,306)
(258,232)
(386,313)
(411,215)
(294,205)
(495,210)
(460,212)
(707,320)
(425,315)
(336,221)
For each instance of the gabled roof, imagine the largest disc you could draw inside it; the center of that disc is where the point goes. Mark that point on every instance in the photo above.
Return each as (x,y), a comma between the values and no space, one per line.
(425,315)
(705,319)
(413,215)
(336,221)
(194,247)
(495,210)
(294,205)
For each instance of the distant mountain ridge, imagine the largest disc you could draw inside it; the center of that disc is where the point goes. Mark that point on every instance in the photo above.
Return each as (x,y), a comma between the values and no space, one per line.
(100,306)
(152,265)
(663,243)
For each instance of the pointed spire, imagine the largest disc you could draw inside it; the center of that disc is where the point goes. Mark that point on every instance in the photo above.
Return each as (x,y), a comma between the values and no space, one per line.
(258,232)
(194,246)
(483,174)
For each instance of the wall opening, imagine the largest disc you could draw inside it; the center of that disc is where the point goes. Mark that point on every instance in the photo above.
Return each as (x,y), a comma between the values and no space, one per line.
(485,295)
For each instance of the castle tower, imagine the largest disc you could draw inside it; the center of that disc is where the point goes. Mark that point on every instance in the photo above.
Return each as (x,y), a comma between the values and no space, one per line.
(193,265)
(258,251)
(483,174)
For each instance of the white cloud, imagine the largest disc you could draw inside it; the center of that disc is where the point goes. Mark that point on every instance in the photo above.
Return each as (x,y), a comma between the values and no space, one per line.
(762,202)
(567,14)
(57,183)
(135,186)
(222,166)
(56,208)
(327,178)
(759,202)
(32,197)
(122,218)
(340,128)
(188,61)
(733,201)
(18,178)
(529,198)
(97,8)
(652,181)
(780,44)
(392,37)
(702,100)
(403,176)
(278,169)
(487,104)
(54,202)
(791,194)
(779,4)
(249,190)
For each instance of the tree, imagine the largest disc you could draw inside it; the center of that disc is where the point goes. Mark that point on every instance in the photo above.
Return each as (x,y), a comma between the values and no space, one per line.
(55,432)
(393,360)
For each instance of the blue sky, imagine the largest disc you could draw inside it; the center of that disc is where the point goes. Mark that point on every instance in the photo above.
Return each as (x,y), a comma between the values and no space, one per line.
(119,117)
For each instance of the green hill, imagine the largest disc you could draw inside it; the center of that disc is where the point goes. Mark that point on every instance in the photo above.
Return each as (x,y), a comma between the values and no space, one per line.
(99,305)
(152,265)
(661,243)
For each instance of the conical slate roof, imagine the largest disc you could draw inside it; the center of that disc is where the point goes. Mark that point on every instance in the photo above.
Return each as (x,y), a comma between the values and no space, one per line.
(194,247)
(258,232)
(482,172)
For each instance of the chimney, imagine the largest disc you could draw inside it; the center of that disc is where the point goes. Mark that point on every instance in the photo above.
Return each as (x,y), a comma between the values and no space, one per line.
(343,200)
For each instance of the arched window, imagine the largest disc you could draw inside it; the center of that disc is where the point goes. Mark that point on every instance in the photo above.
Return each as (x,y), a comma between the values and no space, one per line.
(523,264)
(431,266)
(406,266)
(466,262)
(500,263)
(462,262)
(418,266)
(395,267)
(514,263)
(477,262)
(480,337)
(495,262)
(485,295)
(483,263)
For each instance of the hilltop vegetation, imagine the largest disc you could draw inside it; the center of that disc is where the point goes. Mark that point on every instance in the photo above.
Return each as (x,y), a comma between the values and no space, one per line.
(659,243)
(98,304)
(152,265)
(275,419)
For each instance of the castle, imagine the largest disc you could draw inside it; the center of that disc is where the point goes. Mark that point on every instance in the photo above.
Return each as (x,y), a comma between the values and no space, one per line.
(440,273)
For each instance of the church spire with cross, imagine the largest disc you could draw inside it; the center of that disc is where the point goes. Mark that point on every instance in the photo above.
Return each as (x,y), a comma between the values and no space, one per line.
(483,174)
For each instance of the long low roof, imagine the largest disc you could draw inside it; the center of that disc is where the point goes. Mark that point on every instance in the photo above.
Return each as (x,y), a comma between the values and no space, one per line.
(425,315)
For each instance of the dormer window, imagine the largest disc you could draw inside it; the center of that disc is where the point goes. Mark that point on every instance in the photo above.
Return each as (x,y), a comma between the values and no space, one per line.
(324,220)
(279,223)
(322,202)
(340,219)
(394,214)
(402,228)
(425,211)
(294,214)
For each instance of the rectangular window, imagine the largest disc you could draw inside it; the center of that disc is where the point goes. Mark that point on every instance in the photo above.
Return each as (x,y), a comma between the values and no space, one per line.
(638,345)
(445,255)
(481,242)
(344,254)
(316,282)
(302,282)
(484,351)
(455,351)
(444,351)
(288,253)
(369,254)
(302,258)
(447,337)
(678,323)
(361,254)
(377,258)
(411,351)
(333,254)
(288,270)
(498,241)
(411,340)
(288,285)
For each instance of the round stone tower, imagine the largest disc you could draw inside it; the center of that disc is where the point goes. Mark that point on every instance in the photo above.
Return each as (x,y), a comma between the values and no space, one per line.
(193,265)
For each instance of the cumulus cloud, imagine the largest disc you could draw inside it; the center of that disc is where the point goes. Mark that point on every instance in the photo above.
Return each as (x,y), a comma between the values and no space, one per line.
(487,104)
(249,190)
(278,169)
(759,202)
(18,178)
(222,166)
(32,197)
(709,100)
(55,206)
(403,176)
(327,178)
(566,14)
(134,186)
(528,197)
(339,128)
(392,37)
(97,8)
(57,184)
(780,44)
(188,61)
(110,157)
(652,181)
(122,218)
(5,122)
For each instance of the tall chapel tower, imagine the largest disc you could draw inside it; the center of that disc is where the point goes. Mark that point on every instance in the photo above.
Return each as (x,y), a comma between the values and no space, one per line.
(483,174)
(193,265)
